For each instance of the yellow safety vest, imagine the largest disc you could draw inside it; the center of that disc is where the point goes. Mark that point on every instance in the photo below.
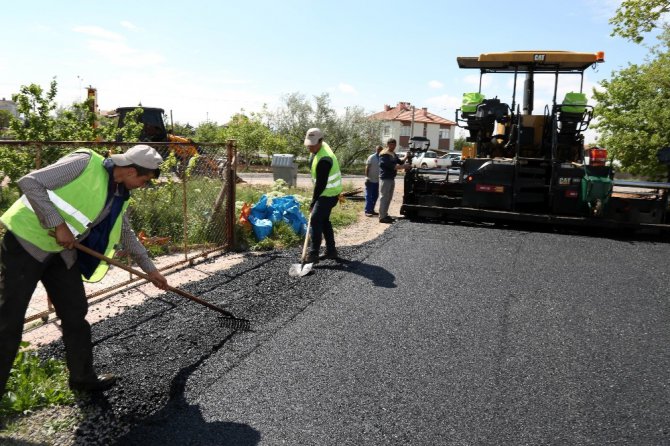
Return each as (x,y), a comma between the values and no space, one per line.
(79,202)
(334,185)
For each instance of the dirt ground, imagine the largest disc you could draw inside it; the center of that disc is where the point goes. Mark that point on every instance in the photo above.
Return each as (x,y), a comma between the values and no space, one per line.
(365,229)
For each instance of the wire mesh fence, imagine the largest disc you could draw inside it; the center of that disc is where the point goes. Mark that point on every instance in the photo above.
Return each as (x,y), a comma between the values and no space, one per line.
(185,215)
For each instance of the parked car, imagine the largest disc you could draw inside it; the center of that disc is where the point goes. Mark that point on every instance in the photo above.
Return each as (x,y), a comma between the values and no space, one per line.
(454,167)
(431,160)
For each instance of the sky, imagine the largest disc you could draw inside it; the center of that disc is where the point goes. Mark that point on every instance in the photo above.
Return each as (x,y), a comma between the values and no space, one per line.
(207,60)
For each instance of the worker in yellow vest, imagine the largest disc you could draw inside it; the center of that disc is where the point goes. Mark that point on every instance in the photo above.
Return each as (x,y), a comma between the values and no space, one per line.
(327,181)
(81,197)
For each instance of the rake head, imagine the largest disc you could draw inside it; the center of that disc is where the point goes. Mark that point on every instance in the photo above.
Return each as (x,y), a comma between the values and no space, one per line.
(236,324)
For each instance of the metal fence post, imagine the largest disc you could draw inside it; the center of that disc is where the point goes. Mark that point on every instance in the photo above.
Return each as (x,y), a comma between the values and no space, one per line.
(231,181)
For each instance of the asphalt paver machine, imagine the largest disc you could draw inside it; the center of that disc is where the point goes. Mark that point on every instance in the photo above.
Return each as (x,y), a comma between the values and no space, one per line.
(534,167)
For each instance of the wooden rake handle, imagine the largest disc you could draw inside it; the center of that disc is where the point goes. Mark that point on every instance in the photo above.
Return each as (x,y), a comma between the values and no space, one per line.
(141,274)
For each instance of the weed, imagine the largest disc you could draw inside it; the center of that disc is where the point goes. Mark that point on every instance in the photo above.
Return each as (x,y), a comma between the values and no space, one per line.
(34,384)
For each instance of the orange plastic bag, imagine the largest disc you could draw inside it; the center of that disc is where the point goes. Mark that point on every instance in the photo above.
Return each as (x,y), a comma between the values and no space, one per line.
(244,216)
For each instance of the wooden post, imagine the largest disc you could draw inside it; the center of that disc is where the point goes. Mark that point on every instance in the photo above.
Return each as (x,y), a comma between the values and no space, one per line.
(185,210)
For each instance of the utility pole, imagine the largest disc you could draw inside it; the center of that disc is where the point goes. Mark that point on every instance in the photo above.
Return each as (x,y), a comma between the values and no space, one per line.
(411,126)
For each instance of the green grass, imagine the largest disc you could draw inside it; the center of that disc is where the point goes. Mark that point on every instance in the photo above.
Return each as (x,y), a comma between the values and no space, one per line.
(34,384)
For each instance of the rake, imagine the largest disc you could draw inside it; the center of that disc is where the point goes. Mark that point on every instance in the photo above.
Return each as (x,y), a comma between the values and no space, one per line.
(228,320)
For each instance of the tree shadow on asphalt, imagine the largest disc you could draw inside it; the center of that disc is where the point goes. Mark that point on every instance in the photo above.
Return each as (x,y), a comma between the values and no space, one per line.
(379,276)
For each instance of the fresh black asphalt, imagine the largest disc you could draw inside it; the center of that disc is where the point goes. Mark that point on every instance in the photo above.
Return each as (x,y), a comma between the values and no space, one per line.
(431,334)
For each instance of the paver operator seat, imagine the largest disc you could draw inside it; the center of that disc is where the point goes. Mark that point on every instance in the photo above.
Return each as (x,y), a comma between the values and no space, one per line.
(572,117)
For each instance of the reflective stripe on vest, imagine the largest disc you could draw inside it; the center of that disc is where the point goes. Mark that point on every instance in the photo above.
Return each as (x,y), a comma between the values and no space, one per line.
(78,202)
(334,184)
(66,207)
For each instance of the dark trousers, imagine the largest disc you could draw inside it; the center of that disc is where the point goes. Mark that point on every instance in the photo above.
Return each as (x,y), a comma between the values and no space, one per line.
(321,226)
(19,274)
(371,195)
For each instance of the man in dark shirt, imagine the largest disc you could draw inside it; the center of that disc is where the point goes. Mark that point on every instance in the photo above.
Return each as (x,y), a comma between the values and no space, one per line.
(389,164)
(327,180)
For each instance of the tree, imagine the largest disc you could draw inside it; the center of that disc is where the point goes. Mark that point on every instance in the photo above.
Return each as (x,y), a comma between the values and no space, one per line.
(459,143)
(636,17)
(633,112)
(5,118)
(352,135)
(185,130)
(36,107)
(209,131)
(253,136)
(292,120)
(42,119)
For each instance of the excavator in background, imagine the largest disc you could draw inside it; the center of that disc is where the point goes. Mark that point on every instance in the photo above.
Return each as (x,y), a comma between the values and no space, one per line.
(534,167)
(154,130)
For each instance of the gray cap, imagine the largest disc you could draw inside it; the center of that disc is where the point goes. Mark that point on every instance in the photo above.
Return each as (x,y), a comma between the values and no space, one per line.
(141,155)
(313,136)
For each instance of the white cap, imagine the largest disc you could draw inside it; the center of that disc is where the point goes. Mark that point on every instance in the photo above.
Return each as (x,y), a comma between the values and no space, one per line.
(313,136)
(141,155)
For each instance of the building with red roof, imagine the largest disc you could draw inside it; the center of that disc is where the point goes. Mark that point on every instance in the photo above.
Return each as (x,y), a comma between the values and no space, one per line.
(405,121)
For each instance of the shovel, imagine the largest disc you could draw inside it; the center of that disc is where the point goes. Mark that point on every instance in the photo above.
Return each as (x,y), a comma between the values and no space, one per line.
(300,269)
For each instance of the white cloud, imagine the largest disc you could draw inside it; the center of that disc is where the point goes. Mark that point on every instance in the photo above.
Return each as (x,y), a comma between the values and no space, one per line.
(113,48)
(97,32)
(435,84)
(129,25)
(120,54)
(346,88)
(443,105)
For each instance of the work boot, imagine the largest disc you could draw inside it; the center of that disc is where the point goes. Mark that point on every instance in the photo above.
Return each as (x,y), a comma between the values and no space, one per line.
(312,257)
(386,219)
(97,384)
(332,255)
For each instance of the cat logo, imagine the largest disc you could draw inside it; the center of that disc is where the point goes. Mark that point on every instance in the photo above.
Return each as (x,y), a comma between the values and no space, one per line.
(539,57)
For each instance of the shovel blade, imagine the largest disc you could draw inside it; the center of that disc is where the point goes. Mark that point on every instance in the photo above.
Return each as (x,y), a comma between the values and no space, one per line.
(299,270)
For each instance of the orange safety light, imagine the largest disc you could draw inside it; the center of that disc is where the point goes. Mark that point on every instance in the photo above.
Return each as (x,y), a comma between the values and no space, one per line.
(600,56)
(597,156)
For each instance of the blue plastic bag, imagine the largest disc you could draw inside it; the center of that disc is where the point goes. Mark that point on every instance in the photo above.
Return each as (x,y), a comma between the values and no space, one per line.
(262,227)
(295,219)
(263,215)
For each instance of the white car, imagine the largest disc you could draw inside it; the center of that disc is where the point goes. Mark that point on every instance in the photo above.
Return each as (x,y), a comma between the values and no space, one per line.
(430,160)
(455,158)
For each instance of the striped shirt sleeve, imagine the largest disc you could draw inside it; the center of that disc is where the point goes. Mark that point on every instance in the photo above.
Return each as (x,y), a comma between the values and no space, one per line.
(36,184)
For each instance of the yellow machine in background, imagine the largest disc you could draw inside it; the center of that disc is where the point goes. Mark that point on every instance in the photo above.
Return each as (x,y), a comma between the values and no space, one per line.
(154,130)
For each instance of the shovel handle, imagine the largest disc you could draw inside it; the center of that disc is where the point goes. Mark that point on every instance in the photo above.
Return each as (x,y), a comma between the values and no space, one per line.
(141,274)
(304,245)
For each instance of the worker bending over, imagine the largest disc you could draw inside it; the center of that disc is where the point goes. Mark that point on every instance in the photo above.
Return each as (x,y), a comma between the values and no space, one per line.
(82,197)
